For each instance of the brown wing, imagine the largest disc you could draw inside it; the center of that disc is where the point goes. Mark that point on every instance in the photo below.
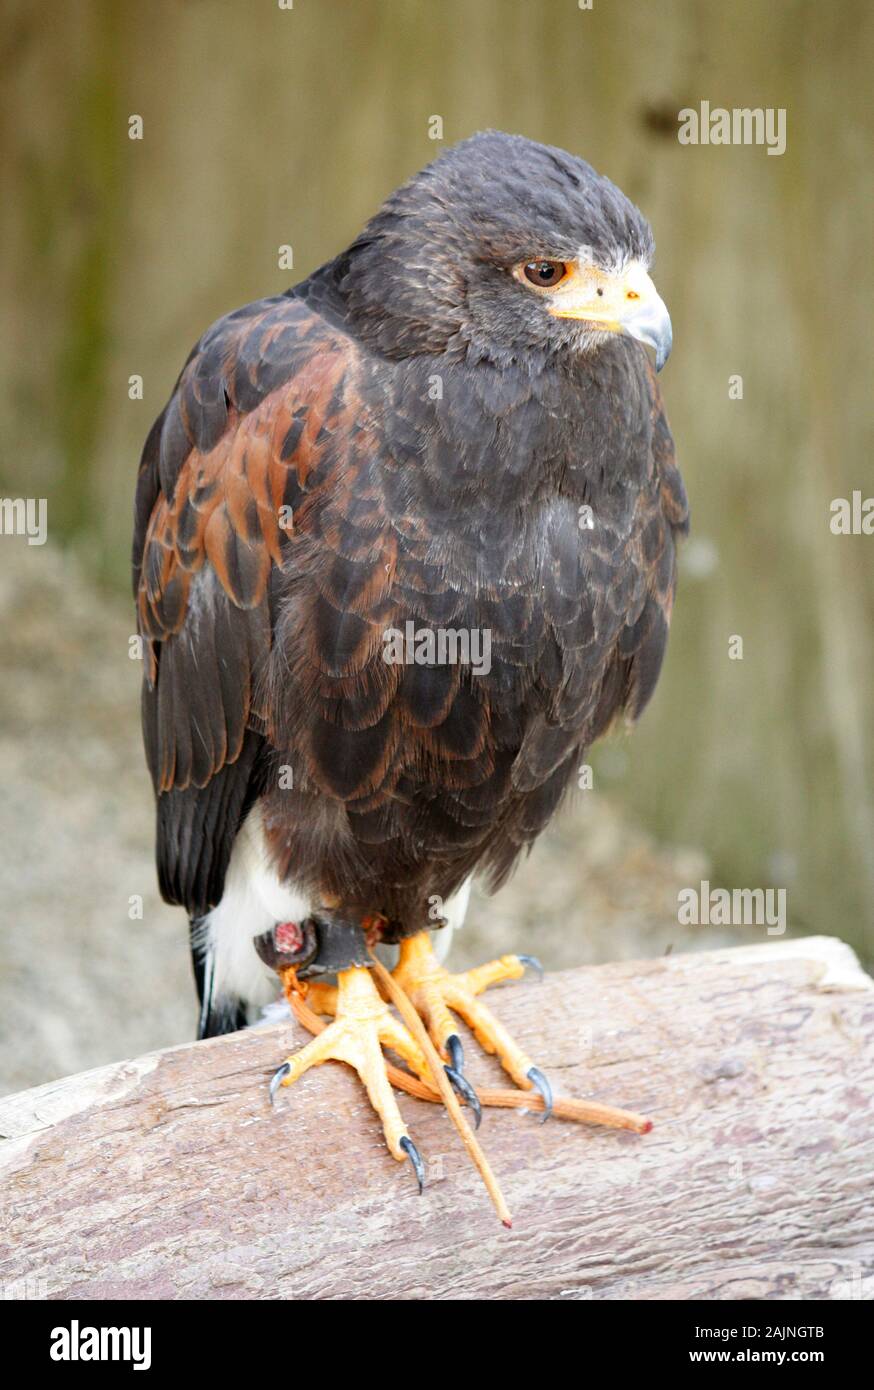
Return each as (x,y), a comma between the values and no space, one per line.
(246,426)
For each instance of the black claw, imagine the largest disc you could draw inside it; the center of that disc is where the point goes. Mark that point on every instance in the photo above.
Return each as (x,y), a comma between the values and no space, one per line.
(415,1158)
(465,1090)
(277,1079)
(456,1052)
(534,963)
(540,1083)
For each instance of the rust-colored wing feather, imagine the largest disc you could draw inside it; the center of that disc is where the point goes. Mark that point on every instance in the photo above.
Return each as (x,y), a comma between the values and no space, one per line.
(223,472)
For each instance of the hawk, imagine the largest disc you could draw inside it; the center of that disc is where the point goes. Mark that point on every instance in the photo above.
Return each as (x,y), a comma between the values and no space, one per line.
(404,548)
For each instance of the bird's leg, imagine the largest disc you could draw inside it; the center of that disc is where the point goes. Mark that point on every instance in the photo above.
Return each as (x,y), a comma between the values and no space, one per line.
(322,999)
(363,1024)
(436,994)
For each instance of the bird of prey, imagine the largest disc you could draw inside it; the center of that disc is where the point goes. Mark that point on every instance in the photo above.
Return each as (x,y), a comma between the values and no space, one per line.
(404,547)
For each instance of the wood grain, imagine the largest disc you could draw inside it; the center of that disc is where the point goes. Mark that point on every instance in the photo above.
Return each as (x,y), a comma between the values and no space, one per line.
(170,1177)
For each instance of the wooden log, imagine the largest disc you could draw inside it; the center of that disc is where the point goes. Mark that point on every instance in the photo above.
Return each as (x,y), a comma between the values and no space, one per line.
(169,1176)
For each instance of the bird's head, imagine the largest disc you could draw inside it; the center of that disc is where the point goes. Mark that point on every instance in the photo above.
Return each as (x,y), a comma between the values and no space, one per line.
(503,245)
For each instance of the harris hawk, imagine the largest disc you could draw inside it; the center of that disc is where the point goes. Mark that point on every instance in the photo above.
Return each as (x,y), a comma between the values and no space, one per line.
(450,433)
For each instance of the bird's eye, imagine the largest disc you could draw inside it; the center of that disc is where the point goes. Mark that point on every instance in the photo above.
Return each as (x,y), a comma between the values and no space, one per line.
(545,274)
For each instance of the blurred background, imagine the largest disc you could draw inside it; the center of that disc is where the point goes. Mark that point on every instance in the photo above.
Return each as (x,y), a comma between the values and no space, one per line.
(264,127)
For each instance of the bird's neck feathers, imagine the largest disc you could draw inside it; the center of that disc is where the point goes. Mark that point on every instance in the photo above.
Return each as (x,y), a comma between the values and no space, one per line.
(525,423)
(527,431)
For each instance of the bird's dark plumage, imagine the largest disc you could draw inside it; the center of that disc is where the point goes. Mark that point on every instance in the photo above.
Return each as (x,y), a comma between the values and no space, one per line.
(435,434)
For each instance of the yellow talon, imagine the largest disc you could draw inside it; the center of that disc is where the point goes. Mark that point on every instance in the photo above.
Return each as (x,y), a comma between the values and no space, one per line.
(434,992)
(362,1026)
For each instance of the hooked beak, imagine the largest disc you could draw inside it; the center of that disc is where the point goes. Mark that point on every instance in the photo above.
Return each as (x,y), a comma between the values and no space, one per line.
(627,302)
(651,324)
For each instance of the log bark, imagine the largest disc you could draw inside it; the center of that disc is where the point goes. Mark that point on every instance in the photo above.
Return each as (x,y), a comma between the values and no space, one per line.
(169,1177)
